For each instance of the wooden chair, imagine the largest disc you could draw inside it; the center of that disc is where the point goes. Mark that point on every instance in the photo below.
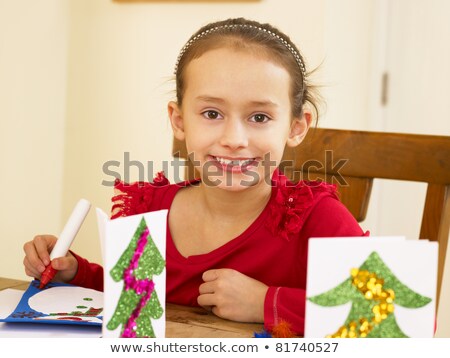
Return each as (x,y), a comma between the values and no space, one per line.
(352,159)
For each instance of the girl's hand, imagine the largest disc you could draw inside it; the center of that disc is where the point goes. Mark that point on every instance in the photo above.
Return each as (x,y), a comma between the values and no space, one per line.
(37,257)
(233,295)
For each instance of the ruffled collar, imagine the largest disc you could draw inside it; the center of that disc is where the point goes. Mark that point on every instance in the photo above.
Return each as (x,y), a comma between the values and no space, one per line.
(135,198)
(292,201)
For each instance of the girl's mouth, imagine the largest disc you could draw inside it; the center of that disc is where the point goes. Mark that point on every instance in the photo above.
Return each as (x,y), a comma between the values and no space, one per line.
(238,165)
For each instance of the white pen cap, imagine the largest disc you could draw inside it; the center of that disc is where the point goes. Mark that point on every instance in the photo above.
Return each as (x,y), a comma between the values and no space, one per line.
(71,229)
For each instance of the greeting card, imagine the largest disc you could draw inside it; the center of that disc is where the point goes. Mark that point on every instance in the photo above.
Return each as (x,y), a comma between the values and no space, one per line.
(134,250)
(58,303)
(374,287)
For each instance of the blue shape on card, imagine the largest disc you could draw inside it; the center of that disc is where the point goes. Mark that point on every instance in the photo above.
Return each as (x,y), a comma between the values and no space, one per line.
(24,313)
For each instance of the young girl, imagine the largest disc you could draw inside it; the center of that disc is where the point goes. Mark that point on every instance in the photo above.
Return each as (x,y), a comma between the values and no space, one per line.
(237,237)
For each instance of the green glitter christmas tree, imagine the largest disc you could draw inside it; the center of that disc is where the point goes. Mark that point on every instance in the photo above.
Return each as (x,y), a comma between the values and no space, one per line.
(374,291)
(138,302)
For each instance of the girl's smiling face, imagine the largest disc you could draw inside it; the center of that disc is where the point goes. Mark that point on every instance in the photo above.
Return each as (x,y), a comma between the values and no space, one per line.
(236,117)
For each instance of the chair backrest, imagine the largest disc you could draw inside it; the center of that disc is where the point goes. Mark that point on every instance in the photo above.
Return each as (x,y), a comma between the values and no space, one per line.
(352,159)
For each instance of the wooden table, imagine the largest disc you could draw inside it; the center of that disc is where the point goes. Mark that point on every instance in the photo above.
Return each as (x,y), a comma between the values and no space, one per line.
(182,321)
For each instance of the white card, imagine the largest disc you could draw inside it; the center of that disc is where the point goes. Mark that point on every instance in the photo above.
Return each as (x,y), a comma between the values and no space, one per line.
(412,262)
(134,250)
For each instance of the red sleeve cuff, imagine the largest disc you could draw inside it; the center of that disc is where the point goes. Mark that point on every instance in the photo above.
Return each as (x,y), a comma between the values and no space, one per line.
(285,304)
(270,318)
(89,275)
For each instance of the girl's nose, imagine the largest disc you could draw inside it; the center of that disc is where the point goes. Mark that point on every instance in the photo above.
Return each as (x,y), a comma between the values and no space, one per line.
(234,134)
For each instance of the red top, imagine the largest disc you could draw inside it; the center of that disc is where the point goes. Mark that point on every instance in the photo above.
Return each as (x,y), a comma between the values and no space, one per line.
(273,249)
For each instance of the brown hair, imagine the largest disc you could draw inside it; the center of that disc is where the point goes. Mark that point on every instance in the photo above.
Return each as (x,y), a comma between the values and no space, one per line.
(247,34)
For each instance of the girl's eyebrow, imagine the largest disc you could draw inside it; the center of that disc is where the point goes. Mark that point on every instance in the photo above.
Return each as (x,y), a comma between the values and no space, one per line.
(264,103)
(210,99)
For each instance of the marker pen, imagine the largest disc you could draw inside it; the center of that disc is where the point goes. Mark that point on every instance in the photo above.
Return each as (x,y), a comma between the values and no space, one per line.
(64,241)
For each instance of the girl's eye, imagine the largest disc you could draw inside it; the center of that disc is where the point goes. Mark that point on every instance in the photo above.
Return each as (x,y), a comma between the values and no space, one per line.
(260,118)
(211,114)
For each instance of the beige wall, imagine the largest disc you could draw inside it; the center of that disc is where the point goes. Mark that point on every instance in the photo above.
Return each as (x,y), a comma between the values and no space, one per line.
(83,81)
(33,82)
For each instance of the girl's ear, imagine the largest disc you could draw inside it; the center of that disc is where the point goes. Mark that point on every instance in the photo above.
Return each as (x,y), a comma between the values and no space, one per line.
(299,128)
(176,120)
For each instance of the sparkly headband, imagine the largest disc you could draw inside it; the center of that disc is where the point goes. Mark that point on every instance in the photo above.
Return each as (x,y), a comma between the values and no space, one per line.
(294,52)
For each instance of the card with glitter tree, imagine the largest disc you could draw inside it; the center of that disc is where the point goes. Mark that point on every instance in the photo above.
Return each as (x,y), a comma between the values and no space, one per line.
(134,249)
(374,287)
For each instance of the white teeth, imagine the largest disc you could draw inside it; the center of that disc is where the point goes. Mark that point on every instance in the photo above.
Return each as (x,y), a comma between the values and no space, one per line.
(234,162)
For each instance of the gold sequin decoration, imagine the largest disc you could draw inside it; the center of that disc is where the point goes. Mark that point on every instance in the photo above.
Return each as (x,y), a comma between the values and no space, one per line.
(371,287)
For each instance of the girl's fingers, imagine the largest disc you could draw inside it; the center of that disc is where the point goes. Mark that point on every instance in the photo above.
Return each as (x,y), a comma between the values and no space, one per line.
(207,299)
(32,271)
(62,263)
(32,258)
(37,254)
(67,267)
(207,287)
(210,275)
(44,244)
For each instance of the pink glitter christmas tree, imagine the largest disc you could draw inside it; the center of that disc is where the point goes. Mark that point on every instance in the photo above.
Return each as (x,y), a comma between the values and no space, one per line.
(138,303)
